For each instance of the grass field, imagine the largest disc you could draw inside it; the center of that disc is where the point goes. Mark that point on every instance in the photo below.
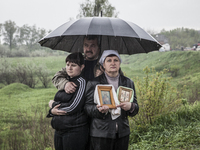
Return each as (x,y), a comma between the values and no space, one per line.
(23,109)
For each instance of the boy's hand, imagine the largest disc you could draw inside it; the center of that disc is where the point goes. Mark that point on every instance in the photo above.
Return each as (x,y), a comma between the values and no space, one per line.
(56,111)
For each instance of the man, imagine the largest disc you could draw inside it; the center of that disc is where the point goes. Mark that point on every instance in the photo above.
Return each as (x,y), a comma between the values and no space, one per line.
(91,51)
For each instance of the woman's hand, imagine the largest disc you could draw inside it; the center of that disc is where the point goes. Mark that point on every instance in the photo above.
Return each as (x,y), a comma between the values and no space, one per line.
(56,111)
(125,106)
(103,109)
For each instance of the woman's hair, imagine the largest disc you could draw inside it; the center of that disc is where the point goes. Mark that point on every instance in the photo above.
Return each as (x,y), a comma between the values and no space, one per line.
(76,58)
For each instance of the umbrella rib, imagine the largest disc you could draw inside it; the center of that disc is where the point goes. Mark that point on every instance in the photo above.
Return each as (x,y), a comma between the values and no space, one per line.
(58,42)
(89,26)
(74,43)
(130,26)
(112,28)
(126,46)
(140,44)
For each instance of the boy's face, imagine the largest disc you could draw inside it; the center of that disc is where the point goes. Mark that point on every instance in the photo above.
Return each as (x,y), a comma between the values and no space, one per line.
(73,69)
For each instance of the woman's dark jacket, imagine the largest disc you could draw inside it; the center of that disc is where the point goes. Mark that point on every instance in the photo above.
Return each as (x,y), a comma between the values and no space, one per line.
(102,124)
(73,104)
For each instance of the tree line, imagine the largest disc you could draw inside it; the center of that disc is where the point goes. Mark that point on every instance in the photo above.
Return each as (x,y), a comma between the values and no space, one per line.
(181,37)
(15,37)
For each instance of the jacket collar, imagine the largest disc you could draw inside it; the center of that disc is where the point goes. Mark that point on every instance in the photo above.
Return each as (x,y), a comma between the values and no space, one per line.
(122,80)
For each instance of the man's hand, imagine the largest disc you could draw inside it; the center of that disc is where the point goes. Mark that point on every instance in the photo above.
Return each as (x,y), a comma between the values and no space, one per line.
(50,103)
(98,72)
(103,109)
(125,106)
(70,87)
(56,111)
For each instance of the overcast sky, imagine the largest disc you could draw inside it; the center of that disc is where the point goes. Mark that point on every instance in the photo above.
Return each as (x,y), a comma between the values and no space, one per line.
(151,15)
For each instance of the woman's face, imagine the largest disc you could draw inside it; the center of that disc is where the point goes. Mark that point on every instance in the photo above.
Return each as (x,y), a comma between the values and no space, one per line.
(111,64)
(73,69)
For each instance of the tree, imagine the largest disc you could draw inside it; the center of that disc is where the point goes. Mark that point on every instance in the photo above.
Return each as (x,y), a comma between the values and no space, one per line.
(24,35)
(95,8)
(30,35)
(10,29)
(0,31)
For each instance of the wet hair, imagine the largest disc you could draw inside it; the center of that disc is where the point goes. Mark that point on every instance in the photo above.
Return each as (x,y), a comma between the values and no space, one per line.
(76,58)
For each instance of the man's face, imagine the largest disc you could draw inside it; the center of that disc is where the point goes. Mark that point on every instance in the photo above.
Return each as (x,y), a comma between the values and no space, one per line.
(90,49)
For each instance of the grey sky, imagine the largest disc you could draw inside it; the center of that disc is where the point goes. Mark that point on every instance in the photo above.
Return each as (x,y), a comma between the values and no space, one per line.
(149,14)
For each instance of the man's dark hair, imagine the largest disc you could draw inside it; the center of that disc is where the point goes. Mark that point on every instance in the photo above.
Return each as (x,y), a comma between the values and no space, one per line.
(91,37)
(76,58)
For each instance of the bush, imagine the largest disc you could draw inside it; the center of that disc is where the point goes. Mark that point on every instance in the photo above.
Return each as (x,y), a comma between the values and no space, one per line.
(3,50)
(174,70)
(27,74)
(6,72)
(155,96)
(39,53)
(43,75)
(19,53)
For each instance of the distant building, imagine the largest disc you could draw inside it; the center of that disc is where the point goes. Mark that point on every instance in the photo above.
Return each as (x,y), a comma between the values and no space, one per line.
(163,41)
(166,46)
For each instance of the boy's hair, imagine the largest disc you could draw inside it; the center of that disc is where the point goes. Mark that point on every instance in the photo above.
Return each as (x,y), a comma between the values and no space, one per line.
(76,58)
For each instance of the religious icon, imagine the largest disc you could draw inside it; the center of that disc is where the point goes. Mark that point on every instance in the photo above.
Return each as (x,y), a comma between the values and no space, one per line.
(124,94)
(106,96)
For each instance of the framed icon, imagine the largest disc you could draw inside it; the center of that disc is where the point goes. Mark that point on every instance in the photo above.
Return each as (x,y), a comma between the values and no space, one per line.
(124,94)
(106,96)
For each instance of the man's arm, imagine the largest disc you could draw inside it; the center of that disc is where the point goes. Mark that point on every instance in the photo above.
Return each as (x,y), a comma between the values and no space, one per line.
(60,79)
(61,83)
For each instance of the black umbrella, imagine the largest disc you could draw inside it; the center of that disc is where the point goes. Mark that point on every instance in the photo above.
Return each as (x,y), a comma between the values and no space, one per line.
(114,33)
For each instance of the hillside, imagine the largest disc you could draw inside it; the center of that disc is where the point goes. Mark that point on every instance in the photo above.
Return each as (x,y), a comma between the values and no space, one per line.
(186,61)
(186,64)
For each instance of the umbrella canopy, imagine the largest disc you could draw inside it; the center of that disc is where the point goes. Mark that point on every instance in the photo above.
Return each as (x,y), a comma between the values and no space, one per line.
(114,33)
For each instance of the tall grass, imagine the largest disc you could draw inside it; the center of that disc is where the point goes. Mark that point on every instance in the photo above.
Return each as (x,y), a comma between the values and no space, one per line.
(23,122)
(30,132)
(176,130)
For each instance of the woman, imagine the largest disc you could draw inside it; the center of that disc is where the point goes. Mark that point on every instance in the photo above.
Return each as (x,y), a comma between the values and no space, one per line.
(108,134)
(69,119)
